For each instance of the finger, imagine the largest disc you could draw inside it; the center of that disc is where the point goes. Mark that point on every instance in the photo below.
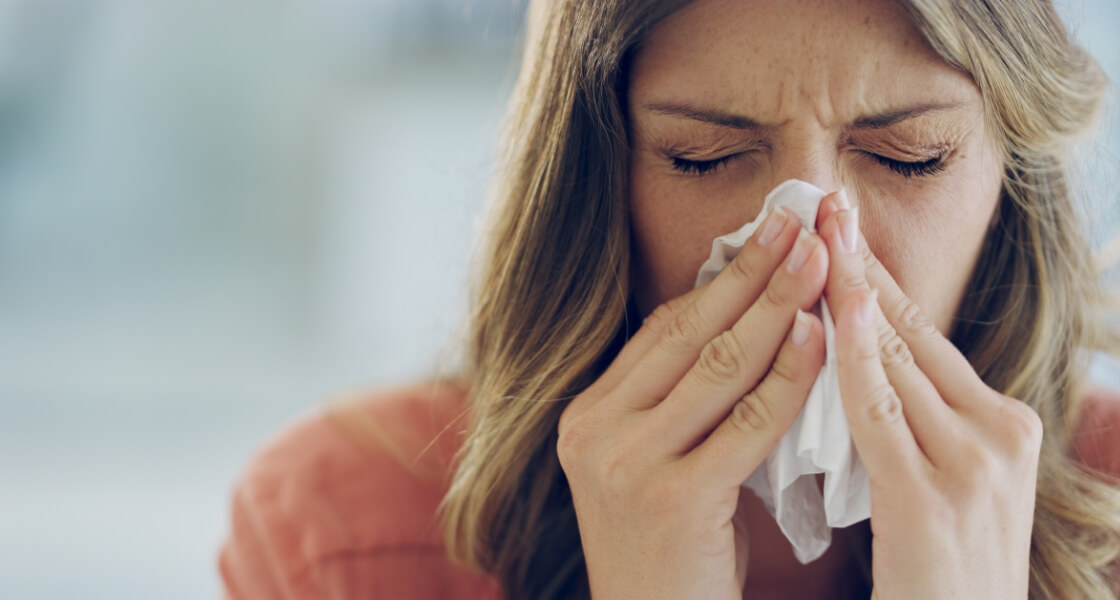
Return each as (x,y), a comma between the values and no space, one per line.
(652,328)
(755,423)
(715,309)
(948,369)
(831,203)
(735,361)
(874,409)
(935,426)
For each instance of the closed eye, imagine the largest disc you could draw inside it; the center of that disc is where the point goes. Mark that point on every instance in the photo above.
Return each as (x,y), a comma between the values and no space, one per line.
(699,167)
(923,168)
(906,169)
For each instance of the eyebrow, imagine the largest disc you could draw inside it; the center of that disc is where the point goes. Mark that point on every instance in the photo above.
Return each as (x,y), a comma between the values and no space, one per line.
(889,118)
(733,121)
(713,117)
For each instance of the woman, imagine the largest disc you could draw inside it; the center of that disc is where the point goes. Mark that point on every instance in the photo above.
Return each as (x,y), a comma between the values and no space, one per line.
(609,412)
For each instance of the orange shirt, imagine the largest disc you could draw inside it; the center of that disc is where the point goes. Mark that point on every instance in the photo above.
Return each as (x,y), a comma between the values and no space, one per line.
(320,515)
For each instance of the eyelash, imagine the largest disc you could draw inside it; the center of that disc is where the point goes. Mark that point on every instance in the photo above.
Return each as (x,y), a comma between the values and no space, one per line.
(924,168)
(699,167)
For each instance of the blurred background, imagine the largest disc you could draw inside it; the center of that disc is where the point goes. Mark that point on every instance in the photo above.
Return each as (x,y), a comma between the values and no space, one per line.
(215,215)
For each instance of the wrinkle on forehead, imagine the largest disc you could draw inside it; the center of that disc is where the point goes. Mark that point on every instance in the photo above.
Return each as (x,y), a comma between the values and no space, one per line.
(781,60)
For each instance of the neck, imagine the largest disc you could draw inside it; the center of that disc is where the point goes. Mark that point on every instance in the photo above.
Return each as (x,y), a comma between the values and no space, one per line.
(774,571)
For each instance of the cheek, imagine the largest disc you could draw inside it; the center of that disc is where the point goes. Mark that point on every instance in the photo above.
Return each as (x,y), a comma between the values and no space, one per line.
(662,248)
(672,228)
(930,241)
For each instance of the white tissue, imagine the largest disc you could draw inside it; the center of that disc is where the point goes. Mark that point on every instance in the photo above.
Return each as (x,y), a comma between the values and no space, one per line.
(819,440)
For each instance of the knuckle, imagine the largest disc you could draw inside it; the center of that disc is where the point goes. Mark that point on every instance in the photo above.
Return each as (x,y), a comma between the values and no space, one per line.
(870,261)
(893,351)
(683,328)
(577,436)
(575,409)
(775,296)
(783,371)
(566,453)
(661,316)
(571,441)
(883,405)
(752,414)
(866,353)
(742,268)
(564,425)
(913,319)
(1024,426)
(853,280)
(722,358)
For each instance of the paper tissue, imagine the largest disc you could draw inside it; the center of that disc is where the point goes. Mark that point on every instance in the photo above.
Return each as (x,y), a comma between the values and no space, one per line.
(819,440)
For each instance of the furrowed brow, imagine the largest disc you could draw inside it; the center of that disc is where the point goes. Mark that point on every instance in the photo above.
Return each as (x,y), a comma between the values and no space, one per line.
(740,122)
(886,119)
(712,117)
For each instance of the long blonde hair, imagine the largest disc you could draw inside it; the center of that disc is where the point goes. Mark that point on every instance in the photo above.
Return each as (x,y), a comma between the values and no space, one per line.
(551,302)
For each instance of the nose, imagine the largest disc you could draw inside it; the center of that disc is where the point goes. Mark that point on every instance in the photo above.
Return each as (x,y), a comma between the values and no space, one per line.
(811,160)
(815,159)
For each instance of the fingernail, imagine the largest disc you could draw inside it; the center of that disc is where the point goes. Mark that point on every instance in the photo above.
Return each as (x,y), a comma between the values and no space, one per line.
(842,201)
(849,228)
(771,227)
(867,307)
(801,326)
(800,253)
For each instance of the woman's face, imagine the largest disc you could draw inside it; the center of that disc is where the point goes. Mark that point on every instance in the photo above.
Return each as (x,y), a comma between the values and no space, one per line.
(729,98)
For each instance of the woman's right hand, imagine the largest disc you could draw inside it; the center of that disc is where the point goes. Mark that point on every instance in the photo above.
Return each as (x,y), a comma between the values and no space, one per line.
(655,451)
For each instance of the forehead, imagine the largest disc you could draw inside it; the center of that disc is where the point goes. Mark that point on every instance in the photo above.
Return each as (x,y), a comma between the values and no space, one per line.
(779,58)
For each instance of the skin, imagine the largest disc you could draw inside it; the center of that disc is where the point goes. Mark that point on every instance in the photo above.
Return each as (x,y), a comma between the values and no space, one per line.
(656,449)
(806,72)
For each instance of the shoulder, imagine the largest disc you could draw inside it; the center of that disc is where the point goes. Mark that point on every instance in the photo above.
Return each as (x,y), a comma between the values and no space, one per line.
(344,503)
(1096,439)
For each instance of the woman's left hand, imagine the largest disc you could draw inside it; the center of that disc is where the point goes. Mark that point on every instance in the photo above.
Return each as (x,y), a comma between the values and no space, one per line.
(952,463)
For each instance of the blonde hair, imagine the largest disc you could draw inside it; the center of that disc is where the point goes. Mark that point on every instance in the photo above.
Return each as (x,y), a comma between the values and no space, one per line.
(551,302)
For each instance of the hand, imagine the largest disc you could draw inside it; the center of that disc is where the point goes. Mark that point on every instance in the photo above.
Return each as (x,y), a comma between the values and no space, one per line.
(952,463)
(656,450)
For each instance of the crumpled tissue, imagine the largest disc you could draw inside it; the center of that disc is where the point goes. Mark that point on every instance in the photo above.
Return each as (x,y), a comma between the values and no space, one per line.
(819,440)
